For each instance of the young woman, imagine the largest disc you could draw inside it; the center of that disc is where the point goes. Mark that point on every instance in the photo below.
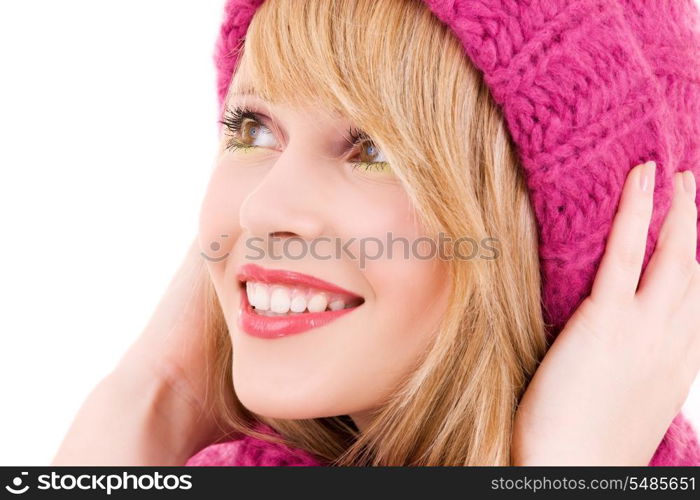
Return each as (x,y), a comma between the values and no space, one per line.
(512,129)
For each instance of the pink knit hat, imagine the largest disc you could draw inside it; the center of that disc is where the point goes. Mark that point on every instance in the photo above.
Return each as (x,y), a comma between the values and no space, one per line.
(589,89)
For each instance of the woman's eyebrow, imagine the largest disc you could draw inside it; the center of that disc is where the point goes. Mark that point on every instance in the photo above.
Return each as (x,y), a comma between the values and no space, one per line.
(245,90)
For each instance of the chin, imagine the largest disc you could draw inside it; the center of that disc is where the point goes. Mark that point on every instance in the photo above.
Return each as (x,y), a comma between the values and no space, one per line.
(285,403)
(277,403)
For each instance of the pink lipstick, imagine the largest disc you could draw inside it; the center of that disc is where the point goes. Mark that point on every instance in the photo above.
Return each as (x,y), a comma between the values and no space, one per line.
(276,303)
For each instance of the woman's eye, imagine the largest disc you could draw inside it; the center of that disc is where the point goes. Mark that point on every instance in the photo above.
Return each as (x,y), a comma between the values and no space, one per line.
(371,158)
(252,134)
(245,130)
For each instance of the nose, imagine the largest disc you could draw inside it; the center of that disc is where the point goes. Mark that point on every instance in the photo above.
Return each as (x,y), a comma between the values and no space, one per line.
(289,200)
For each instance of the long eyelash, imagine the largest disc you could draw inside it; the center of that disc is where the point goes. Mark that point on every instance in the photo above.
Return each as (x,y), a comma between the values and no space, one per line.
(377,165)
(355,137)
(233,117)
(233,120)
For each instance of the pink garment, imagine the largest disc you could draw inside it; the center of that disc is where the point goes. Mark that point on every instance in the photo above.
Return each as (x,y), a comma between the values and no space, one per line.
(589,89)
(679,447)
(249,451)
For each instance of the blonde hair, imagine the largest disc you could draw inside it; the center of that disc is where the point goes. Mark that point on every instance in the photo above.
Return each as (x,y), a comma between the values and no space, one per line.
(402,76)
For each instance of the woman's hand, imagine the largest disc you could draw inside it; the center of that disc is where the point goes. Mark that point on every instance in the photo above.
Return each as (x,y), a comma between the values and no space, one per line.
(620,371)
(149,409)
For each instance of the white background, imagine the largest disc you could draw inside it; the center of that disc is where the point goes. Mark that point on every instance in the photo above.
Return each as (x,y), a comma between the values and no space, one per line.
(107,139)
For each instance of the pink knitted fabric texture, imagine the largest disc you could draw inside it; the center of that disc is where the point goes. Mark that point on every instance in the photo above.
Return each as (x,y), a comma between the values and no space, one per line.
(249,451)
(589,89)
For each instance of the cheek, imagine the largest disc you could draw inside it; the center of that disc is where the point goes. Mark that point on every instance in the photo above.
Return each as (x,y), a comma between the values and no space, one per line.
(219,226)
(410,300)
(393,253)
(408,281)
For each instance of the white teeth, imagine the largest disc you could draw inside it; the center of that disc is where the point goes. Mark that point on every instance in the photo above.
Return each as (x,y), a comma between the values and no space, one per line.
(279,301)
(261,297)
(298,304)
(270,313)
(318,303)
(250,292)
(336,305)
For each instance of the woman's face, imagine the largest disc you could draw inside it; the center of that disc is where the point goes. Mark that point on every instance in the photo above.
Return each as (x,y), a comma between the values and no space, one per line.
(298,201)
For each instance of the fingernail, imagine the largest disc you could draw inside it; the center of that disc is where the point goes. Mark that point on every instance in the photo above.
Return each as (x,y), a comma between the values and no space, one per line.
(689,184)
(646,175)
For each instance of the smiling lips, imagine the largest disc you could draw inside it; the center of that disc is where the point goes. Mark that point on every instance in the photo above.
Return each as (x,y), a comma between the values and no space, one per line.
(275,303)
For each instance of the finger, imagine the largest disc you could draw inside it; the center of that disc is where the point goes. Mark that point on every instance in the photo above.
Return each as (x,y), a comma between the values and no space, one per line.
(620,266)
(672,265)
(690,308)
